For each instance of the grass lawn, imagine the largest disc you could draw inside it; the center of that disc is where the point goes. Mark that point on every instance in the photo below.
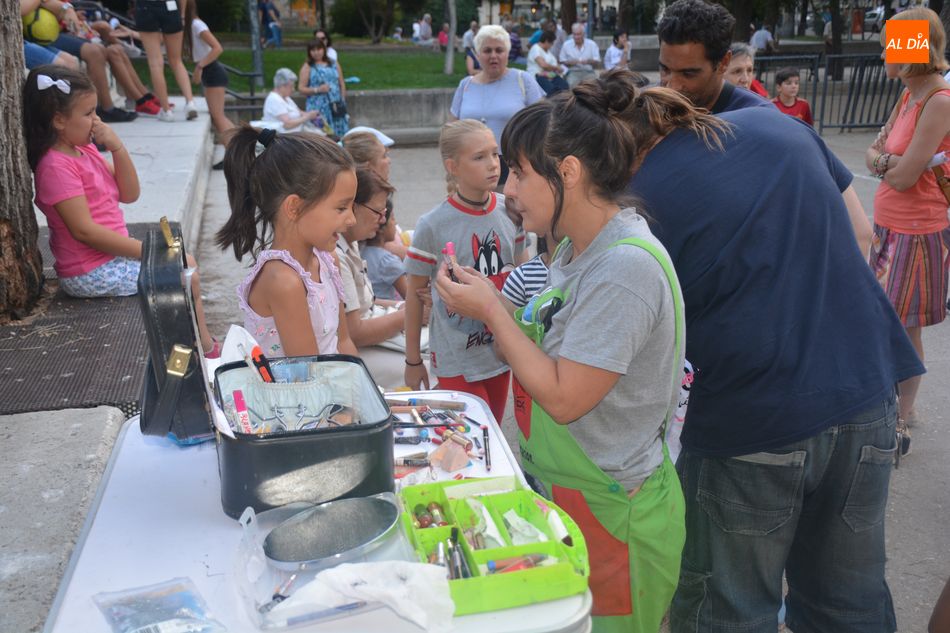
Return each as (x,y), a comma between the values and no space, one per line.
(377,70)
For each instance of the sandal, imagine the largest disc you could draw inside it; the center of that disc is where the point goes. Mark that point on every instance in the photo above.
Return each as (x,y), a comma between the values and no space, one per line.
(903,442)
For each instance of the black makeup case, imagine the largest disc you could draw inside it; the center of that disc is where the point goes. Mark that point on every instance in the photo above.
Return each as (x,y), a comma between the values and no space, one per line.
(268,469)
(277,464)
(174,397)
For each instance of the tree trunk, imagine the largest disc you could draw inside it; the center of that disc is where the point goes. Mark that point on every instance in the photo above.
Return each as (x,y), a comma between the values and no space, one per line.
(568,15)
(21,266)
(803,19)
(257,50)
(625,12)
(450,49)
(742,10)
(772,10)
(370,18)
(837,27)
(389,16)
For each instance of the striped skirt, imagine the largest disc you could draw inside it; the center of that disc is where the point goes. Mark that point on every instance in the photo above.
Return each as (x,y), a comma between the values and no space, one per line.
(913,270)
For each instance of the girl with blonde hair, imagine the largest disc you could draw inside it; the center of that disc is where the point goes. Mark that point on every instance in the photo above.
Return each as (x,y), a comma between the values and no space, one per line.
(473,218)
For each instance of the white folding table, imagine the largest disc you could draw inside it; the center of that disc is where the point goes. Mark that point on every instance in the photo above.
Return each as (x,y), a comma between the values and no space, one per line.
(157,515)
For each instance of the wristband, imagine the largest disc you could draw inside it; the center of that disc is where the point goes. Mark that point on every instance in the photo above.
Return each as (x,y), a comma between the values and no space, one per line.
(414,364)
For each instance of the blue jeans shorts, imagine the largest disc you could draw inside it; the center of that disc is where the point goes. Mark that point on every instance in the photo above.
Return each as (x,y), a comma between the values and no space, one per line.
(813,509)
(116,278)
(35,55)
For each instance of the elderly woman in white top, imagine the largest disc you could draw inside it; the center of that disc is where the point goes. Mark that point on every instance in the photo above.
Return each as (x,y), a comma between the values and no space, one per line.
(280,110)
(495,92)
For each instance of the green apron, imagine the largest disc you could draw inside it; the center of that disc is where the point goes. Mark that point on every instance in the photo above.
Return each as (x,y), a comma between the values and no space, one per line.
(634,544)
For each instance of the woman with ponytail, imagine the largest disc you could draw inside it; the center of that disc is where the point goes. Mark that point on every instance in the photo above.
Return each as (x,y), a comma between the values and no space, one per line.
(291,198)
(597,356)
(790,433)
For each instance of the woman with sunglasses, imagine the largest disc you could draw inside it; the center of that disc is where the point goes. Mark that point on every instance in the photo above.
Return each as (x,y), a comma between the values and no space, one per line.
(369,207)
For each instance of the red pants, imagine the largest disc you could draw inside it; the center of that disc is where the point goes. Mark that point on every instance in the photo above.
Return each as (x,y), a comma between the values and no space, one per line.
(492,390)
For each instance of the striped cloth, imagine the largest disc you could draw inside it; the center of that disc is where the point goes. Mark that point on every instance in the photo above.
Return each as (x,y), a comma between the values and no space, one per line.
(913,270)
(525,281)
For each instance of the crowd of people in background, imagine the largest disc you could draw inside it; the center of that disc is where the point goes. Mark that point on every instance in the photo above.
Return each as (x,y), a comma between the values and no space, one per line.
(808,353)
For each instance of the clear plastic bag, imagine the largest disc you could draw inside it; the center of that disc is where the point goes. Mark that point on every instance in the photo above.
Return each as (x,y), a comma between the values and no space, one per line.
(173,606)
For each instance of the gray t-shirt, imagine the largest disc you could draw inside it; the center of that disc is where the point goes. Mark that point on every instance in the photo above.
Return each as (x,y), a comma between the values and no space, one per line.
(618,315)
(496,102)
(488,242)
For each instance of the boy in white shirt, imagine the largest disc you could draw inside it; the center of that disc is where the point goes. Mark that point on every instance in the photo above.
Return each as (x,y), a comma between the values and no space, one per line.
(619,52)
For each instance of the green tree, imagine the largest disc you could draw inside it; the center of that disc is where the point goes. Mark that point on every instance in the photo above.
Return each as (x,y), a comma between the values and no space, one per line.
(373,14)
(345,18)
(223,14)
(568,14)
(638,16)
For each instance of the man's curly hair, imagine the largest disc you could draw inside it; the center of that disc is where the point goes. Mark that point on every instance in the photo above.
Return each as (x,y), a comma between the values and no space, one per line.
(709,24)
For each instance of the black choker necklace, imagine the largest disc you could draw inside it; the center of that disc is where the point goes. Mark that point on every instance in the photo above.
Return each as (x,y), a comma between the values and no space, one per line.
(473,203)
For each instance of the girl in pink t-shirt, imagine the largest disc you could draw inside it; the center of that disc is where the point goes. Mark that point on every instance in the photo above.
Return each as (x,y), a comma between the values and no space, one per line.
(291,198)
(79,191)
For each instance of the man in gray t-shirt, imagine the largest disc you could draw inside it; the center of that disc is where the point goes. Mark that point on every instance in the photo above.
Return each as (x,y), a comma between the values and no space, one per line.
(618,315)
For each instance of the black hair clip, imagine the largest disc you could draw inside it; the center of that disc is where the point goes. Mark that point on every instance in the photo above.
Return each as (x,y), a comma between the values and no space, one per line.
(266,137)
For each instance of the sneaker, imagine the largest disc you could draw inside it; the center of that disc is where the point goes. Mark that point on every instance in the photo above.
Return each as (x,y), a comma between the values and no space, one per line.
(167,116)
(115,115)
(191,112)
(149,108)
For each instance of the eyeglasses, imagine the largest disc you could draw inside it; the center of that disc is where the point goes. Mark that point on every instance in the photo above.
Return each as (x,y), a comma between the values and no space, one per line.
(381,214)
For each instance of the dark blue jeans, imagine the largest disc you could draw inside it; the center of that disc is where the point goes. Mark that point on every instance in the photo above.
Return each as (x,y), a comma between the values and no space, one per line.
(551,85)
(813,509)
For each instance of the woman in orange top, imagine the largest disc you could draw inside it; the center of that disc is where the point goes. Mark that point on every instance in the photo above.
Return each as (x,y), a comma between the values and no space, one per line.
(910,251)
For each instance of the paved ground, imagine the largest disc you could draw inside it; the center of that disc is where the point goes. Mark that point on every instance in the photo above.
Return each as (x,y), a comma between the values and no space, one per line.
(51,463)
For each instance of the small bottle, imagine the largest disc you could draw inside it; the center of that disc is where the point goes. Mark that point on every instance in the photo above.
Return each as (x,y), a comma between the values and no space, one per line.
(423,517)
(438,516)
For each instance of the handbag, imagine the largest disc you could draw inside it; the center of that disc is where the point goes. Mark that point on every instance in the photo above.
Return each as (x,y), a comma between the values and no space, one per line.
(338,109)
(943,181)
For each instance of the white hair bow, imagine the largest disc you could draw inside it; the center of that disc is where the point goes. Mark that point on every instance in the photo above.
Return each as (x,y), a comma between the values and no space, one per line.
(45,81)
